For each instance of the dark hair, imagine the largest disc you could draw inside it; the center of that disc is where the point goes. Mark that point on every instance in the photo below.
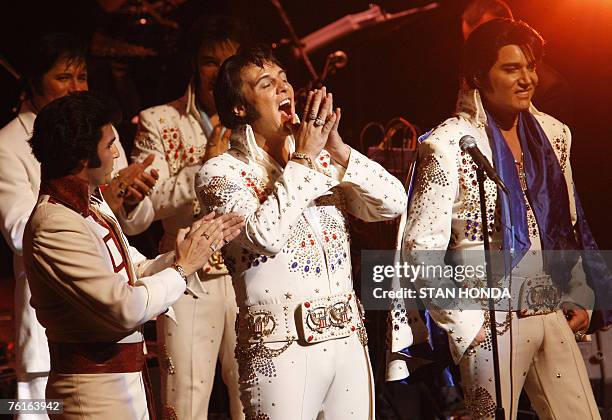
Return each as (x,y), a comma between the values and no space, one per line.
(228,89)
(210,30)
(482,46)
(478,8)
(47,51)
(66,131)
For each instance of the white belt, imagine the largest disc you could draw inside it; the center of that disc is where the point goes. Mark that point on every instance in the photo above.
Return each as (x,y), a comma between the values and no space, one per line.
(314,320)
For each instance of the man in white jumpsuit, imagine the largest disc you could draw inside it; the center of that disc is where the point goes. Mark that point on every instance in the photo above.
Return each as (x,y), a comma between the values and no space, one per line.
(301,340)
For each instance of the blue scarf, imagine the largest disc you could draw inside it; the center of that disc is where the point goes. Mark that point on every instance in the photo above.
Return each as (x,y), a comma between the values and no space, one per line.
(548,194)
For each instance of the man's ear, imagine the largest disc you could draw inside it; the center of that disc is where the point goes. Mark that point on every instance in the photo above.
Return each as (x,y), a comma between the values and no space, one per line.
(239,111)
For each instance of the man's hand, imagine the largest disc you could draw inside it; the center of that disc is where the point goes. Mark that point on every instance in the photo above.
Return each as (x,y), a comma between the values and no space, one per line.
(338,150)
(131,185)
(317,122)
(577,317)
(142,183)
(196,244)
(232,224)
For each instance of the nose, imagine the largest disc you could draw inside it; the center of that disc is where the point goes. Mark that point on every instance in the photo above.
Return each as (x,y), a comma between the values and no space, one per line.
(282,85)
(526,77)
(72,85)
(115,151)
(77,85)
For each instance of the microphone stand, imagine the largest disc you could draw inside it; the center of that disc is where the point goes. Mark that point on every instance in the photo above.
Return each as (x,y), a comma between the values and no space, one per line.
(295,39)
(481,177)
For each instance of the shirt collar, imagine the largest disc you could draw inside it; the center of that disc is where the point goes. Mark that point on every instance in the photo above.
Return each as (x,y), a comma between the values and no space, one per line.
(469,105)
(70,191)
(26,117)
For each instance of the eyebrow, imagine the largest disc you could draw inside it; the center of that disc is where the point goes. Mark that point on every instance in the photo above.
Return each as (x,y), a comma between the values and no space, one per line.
(267,76)
(68,73)
(512,64)
(208,57)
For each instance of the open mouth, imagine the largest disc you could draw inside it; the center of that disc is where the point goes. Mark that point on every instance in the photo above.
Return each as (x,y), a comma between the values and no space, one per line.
(285,109)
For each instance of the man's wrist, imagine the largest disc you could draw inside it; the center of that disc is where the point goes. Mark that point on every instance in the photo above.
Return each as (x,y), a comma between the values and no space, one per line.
(340,154)
(304,158)
(179,269)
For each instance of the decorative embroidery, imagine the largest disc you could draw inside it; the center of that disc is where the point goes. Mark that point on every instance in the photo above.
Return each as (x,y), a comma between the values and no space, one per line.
(178,152)
(307,258)
(169,413)
(256,359)
(256,186)
(143,141)
(397,315)
(166,360)
(433,172)
(480,403)
(335,235)
(560,146)
(257,415)
(261,324)
(501,327)
(217,193)
(532,223)
(470,210)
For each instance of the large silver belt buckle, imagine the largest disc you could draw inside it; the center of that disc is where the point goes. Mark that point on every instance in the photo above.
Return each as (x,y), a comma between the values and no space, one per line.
(327,318)
(261,324)
(539,297)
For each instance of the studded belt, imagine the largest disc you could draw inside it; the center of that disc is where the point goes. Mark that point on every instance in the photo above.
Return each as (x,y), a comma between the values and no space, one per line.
(314,320)
(538,296)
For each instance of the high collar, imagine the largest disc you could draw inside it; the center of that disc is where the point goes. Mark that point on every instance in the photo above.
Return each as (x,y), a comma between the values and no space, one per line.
(70,191)
(243,139)
(26,117)
(470,106)
(191,106)
(189,102)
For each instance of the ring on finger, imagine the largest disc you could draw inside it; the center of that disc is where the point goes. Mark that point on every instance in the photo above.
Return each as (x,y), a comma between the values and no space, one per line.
(318,122)
(312,116)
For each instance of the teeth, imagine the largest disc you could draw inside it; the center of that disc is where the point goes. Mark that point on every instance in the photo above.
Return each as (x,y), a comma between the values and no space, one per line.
(285,102)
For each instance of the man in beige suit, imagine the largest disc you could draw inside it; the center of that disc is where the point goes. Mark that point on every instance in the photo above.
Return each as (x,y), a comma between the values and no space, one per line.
(90,289)
(55,67)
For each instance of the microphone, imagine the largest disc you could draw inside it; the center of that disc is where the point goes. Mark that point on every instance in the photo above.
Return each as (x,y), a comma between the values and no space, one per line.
(468,145)
(338,58)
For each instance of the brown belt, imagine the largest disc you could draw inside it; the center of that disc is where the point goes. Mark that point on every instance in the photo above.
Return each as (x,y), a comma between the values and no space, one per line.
(78,358)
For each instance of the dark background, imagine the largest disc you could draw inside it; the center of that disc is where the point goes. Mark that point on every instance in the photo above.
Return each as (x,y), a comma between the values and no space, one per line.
(407,70)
